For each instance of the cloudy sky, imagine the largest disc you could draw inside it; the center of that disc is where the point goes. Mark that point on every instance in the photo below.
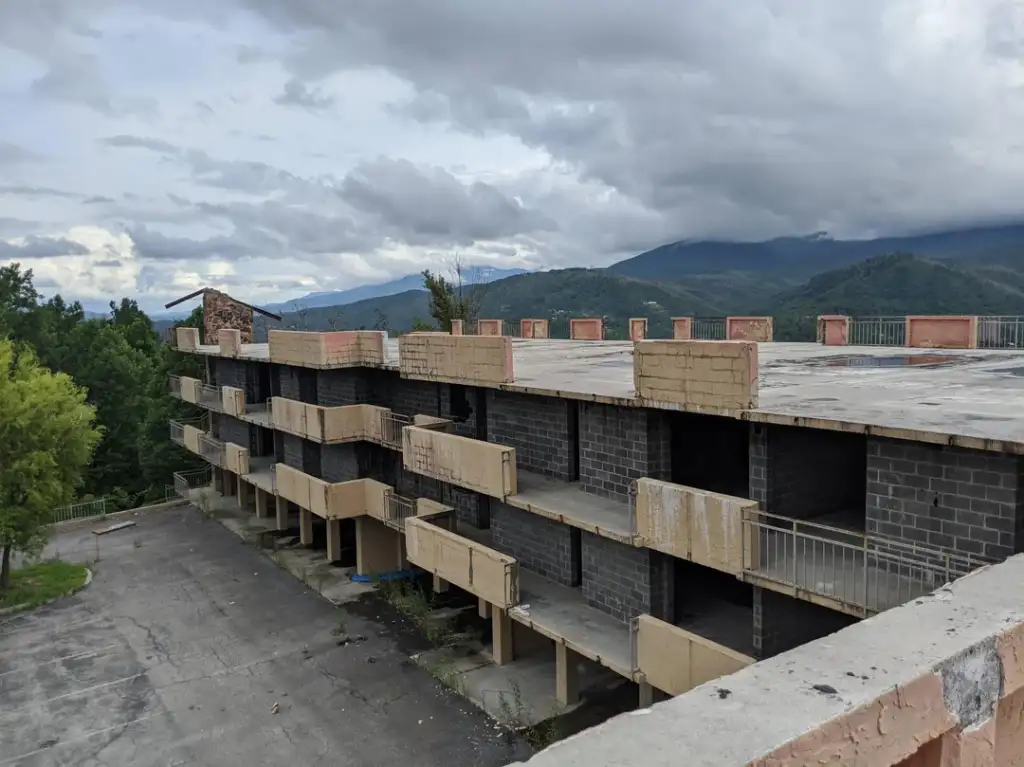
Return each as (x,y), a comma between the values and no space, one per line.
(276,147)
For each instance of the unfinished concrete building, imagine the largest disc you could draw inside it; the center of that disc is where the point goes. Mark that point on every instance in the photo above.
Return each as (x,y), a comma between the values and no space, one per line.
(669,510)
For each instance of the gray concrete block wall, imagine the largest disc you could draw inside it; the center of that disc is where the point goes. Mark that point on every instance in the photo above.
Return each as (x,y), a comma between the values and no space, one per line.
(343,387)
(289,377)
(782,622)
(624,581)
(619,445)
(402,395)
(232,430)
(292,450)
(544,546)
(948,497)
(804,473)
(465,421)
(339,463)
(228,372)
(537,427)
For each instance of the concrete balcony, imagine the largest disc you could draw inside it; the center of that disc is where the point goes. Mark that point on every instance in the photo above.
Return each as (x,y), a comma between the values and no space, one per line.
(184,388)
(211,450)
(473,567)
(485,467)
(846,570)
(337,424)
(329,500)
(177,428)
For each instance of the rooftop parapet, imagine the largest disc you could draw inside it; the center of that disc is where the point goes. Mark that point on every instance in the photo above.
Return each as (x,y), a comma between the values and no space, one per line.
(711,376)
(343,348)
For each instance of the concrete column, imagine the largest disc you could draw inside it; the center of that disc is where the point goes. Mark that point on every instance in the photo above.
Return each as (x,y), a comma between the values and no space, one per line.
(333,540)
(484,609)
(501,629)
(230,483)
(262,503)
(305,527)
(282,513)
(378,547)
(243,492)
(440,585)
(646,695)
(218,480)
(567,681)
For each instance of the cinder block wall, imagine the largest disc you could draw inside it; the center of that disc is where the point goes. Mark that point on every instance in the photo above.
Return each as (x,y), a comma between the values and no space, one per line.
(965,500)
(537,427)
(340,463)
(625,581)
(232,430)
(290,382)
(619,445)
(462,405)
(228,372)
(409,397)
(292,450)
(544,546)
(782,622)
(350,386)
(804,473)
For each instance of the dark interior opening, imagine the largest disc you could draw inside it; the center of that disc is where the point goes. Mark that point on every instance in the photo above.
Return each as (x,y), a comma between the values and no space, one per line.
(458,403)
(278,447)
(264,441)
(263,385)
(716,605)
(275,381)
(711,453)
(307,386)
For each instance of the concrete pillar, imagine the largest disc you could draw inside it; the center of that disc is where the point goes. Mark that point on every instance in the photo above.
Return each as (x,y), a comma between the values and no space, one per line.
(243,493)
(567,681)
(501,629)
(230,483)
(484,609)
(282,513)
(646,695)
(305,527)
(218,480)
(333,540)
(378,547)
(440,585)
(456,327)
(262,503)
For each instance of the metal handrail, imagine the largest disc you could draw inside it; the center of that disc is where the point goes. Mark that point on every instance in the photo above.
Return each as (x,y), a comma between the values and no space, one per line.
(397,509)
(210,397)
(878,331)
(174,385)
(391,425)
(1000,332)
(185,481)
(83,510)
(211,449)
(867,572)
(708,329)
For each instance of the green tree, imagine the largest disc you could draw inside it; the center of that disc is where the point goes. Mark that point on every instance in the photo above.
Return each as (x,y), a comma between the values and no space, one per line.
(47,437)
(451,299)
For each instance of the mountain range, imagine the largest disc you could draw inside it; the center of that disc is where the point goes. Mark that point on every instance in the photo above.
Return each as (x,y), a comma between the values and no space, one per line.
(978,270)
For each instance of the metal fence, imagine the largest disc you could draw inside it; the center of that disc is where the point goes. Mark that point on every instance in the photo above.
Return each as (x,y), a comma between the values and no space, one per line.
(1005,332)
(878,331)
(397,509)
(391,425)
(82,510)
(187,481)
(865,573)
(174,385)
(178,433)
(708,329)
(209,397)
(211,449)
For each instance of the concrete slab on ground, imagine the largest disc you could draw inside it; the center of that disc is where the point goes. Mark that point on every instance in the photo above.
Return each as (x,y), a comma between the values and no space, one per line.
(189,649)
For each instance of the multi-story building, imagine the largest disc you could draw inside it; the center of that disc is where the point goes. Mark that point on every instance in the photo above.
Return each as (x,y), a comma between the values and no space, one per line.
(671,510)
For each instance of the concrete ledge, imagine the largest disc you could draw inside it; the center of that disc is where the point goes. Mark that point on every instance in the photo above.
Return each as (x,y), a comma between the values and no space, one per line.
(699,375)
(470,360)
(760,329)
(942,675)
(338,349)
(470,463)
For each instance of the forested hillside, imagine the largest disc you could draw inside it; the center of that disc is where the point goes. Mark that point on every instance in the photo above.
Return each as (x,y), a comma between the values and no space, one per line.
(124,365)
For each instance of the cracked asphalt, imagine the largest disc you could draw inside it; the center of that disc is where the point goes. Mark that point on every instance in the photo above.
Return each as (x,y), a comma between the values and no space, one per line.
(187,642)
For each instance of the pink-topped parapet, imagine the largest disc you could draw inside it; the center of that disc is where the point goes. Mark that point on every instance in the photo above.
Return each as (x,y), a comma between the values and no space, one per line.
(456,327)
(759,329)
(534,328)
(942,332)
(833,330)
(637,328)
(682,328)
(588,329)
(489,328)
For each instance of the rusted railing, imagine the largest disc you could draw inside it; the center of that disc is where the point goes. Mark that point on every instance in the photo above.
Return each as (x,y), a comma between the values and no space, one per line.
(878,331)
(865,573)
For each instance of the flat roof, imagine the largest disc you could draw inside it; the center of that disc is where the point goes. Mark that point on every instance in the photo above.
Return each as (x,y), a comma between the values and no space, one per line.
(970,398)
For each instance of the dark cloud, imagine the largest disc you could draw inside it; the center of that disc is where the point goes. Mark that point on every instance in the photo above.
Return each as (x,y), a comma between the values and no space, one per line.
(98,199)
(41,247)
(25,190)
(298,94)
(155,246)
(11,154)
(111,263)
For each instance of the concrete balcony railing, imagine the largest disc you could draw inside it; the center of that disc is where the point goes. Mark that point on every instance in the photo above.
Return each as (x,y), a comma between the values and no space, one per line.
(851,571)
(485,467)
(185,388)
(211,450)
(177,428)
(345,423)
(330,500)
(482,571)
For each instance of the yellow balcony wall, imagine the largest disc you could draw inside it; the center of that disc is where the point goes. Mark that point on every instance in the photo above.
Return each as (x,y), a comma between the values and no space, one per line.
(692,524)
(331,500)
(345,423)
(675,660)
(232,401)
(236,458)
(482,571)
(190,389)
(482,466)
(191,437)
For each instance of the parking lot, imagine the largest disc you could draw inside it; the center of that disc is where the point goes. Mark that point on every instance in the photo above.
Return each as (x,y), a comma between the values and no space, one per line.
(192,648)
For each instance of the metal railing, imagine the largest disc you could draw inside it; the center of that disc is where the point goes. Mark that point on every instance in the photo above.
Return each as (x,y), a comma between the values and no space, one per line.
(209,397)
(177,426)
(187,481)
(708,329)
(878,331)
(211,449)
(83,510)
(1005,332)
(174,386)
(397,509)
(391,425)
(867,573)
(512,328)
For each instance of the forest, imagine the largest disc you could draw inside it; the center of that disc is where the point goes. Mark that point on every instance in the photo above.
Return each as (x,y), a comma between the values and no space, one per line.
(123,365)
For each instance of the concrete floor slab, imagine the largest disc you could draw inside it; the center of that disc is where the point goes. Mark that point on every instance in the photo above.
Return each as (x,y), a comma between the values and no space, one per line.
(565,502)
(188,648)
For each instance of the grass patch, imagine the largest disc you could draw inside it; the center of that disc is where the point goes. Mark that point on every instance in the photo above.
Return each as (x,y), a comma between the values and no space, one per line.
(38,584)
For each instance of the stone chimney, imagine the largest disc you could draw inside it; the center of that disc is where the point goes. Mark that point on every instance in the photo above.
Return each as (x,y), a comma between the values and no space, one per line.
(222,311)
